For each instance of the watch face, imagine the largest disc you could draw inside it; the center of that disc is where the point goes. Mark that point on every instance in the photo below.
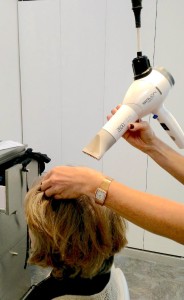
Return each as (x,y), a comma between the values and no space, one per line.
(100,194)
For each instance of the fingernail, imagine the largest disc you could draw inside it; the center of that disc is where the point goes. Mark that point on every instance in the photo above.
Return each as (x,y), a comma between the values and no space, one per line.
(131,126)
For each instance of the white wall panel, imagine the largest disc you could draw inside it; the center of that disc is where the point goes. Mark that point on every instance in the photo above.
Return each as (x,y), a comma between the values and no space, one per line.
(62,68)
(40,53)
(10,104)
(169,53)
(83,52)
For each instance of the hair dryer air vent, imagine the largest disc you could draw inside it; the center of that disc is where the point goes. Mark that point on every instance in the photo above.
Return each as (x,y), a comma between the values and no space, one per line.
(141,66)
(166,74)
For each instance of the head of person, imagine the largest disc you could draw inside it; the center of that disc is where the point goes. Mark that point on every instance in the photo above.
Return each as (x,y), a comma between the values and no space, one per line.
(74,237)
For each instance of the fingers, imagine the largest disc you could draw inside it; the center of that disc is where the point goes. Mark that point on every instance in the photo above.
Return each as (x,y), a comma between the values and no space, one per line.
(47,188)
(141,125)
(49,179)
(45,184)
(118,106)
(55,183)
(58,196)
(113,111)
(53,191)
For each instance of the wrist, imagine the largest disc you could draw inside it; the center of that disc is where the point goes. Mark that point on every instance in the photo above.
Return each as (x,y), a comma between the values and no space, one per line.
(152,147)
(91,181)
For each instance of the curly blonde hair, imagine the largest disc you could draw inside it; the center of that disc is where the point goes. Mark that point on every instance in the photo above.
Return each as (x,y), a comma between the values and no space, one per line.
(74,237)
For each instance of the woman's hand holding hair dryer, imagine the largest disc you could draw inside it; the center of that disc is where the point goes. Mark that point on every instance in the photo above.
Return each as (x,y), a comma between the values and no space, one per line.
(141,136)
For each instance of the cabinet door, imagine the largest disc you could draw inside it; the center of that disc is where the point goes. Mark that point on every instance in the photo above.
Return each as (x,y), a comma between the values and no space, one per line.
(14,279)
(14,186)
(12,221)
(13,230)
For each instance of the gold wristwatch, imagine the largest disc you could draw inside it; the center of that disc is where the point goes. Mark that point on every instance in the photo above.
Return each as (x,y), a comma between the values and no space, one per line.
(102,190)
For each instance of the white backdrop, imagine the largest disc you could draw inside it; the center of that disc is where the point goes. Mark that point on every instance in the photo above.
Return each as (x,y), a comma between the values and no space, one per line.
(75,63)
(10,98)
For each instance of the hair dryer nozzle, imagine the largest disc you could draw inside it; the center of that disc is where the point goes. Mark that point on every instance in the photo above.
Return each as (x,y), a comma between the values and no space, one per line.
(100,144)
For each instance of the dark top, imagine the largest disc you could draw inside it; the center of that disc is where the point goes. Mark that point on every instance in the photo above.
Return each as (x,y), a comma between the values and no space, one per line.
(51,287)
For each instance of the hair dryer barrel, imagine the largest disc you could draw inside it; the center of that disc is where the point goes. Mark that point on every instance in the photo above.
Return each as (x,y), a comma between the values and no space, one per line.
(111,132)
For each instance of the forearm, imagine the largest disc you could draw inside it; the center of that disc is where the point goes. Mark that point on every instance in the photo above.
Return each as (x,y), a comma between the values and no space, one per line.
(155,214)
(143,138)
(168,159)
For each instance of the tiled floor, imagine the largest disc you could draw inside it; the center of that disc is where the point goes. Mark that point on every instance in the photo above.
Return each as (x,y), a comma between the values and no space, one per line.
(152,276)
(149,276)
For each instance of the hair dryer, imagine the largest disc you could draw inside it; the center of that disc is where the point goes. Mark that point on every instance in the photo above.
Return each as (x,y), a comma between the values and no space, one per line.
(145,96)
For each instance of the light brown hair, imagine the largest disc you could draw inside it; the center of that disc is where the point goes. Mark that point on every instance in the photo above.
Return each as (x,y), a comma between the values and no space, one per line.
(74,237)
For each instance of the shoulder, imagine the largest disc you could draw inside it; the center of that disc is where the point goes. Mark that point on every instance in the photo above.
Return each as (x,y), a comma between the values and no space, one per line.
(46,289)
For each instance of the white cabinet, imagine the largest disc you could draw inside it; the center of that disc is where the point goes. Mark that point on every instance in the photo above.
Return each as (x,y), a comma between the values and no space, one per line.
(14,278)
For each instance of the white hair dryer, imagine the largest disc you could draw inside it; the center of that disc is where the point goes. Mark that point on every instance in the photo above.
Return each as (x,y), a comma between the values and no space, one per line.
(145,96)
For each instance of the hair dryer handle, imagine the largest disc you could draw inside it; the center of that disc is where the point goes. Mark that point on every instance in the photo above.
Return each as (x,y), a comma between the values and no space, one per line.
(170,125)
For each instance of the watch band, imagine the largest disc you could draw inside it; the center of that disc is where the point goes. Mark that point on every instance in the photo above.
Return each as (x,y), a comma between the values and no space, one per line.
(102,190)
